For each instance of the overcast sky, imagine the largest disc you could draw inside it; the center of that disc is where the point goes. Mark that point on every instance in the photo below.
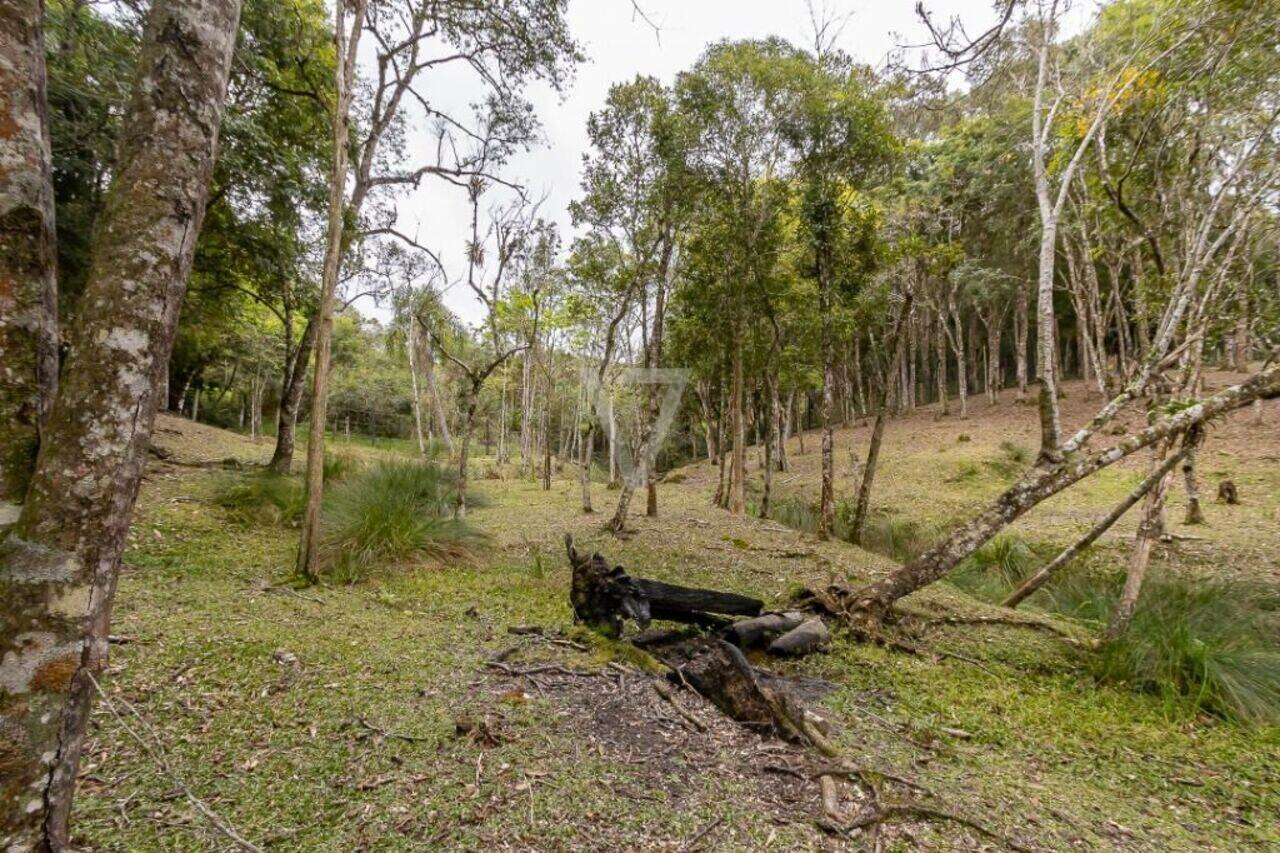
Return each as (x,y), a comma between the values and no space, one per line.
(619,46)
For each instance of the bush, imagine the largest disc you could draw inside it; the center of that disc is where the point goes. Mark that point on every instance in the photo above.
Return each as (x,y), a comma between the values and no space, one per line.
(1211,645)
(262,498)
(393,512)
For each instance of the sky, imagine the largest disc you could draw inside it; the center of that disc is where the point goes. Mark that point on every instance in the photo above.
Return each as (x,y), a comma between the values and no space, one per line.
(619,45)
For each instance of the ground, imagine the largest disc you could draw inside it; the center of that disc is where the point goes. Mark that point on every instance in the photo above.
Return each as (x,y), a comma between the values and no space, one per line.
(374,717)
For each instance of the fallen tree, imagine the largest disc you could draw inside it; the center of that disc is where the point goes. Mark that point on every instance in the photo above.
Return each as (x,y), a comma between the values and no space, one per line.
(867,607)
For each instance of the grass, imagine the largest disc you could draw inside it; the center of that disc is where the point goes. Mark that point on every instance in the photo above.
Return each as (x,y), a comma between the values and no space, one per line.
(262,497)
(1058,757)
(992,571)
(1202,645)
(395,511)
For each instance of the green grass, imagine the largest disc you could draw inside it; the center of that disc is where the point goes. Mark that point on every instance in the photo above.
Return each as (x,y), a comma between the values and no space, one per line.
(262,497)
(992,571)
(394,511)
(1202,645)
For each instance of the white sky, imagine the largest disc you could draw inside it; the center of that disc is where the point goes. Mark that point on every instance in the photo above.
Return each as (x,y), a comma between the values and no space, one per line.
(618,47)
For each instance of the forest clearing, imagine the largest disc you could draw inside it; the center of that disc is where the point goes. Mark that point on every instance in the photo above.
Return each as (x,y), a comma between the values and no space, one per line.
(639,425)
(1014,732)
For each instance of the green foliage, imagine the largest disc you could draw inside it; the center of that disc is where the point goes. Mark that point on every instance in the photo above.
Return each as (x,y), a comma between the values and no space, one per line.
(995,568)
(394,512)
(262,498)
(1011,461)
(1202,644)
(900,538)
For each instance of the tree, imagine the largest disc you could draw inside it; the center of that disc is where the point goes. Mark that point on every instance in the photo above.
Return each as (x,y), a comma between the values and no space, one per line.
(60,561)
(506,46)
(28,282)
(842,141)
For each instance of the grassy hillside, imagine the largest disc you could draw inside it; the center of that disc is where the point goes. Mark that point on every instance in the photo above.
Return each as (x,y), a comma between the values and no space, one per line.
(368,716)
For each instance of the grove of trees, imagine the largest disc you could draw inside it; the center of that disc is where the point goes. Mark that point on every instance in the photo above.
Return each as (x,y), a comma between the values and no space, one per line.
(197,195)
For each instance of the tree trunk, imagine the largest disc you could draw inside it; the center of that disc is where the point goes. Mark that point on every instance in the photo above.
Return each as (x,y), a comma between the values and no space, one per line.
(961,352)
(410,348)
(344,73)
(1240,338)
(944,401)
(294,381)
(433,394)
(1150,529)
(464,447)
(826,501)
(28,251)
(736,496)
(59,566)
(584,466)
(1195,515)
(1020,340)
(877,432)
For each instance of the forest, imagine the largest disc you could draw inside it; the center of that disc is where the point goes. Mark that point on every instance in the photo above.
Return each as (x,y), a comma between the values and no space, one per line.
(911,430)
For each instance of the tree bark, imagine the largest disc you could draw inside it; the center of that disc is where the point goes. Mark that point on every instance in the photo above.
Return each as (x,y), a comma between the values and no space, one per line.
(347,41)
(28,252)
(826,501)
(59,565)
(1150,529)
(294,381)
(736,495)
(411,346)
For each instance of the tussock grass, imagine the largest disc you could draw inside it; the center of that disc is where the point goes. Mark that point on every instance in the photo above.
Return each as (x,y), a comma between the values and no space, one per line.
(900,538)
(1012,459)
(261,497)
(1202,645)
(995,568)
(394,512)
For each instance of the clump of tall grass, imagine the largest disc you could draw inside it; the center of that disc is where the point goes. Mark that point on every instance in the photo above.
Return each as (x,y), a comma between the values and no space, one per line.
(996,568)
(262,497)
(1202,644)
(395,511)
(900,538)
(340,466)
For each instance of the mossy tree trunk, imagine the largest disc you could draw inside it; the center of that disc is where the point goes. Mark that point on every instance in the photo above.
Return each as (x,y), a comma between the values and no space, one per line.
(58,567)
(28,256)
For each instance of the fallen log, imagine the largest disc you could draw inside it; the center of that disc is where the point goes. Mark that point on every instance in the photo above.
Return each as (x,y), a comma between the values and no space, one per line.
(604,596)
(801,640)
(750,633)
(683,599)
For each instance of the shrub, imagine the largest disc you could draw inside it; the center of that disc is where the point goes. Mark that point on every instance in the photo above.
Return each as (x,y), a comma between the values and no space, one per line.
(391,513)
(262,497)
(1211,645)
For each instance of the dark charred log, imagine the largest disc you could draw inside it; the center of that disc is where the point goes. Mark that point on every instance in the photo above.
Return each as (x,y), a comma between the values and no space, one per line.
(603,597)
